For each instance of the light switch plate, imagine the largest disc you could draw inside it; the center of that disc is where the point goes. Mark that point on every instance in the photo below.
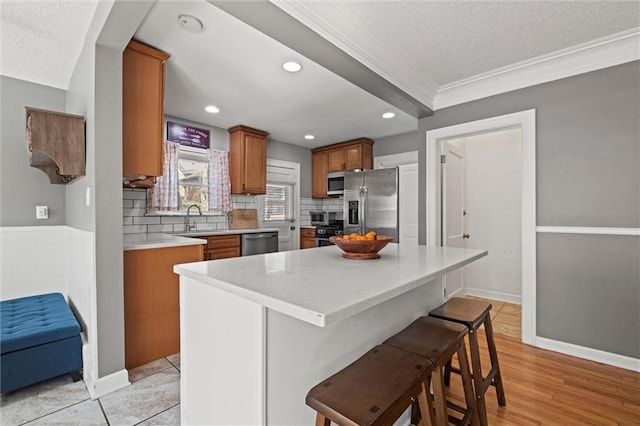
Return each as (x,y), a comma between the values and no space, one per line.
(42,212)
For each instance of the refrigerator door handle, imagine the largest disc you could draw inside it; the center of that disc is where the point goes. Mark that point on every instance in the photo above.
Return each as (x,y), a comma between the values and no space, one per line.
(365,196)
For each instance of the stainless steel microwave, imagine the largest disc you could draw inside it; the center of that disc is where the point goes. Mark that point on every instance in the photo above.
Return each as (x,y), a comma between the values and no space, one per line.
(335,183)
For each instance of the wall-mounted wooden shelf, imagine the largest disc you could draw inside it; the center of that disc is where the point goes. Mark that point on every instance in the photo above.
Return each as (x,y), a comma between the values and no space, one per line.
(55,143)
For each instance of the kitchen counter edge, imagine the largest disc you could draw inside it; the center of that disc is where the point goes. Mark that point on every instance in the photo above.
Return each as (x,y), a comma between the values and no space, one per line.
(162,240)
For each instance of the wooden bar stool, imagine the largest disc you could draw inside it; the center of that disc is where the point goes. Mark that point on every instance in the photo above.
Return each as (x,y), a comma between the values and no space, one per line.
(438,341)
(473,314)
(373,390)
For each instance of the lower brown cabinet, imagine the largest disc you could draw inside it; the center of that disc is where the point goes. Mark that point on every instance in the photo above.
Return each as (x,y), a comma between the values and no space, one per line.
(222,246)
(307,238)
(152,302)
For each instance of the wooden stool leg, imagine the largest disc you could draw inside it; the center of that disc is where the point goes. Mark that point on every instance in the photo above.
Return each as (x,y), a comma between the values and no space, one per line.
(440,403)
(478,380)
(467,383)
(322,420)
(425,406)
(493,355)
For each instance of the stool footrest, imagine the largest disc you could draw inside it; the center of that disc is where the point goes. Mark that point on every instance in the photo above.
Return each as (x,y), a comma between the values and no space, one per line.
(466,414)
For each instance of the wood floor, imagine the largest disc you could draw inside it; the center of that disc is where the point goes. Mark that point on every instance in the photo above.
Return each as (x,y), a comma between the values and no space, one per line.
(549,388)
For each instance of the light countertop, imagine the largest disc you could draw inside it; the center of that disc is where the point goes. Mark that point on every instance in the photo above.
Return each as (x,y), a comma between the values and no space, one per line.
(157,240)
(205,233)
(160,240)
(319,286)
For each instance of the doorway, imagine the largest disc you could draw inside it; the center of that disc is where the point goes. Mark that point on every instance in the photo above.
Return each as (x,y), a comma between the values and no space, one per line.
(481,193)
(525,121)
(279,208)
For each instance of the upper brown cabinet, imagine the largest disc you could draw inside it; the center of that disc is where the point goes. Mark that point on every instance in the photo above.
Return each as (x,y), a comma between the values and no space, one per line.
(356,154)
(350,155)
(319,174)
(248,160)
(55,143)
(142,114)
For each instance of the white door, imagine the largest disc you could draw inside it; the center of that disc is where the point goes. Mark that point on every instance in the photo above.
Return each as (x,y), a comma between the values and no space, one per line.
(408,201)
(280,206)
(453,230)
(407,163)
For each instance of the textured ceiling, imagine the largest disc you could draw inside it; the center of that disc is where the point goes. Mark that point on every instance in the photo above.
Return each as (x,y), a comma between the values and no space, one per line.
(453,40)
(40,41)
(419,46)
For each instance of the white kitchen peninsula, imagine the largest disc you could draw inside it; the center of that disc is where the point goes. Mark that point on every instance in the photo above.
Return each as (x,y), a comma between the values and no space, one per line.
(258,332)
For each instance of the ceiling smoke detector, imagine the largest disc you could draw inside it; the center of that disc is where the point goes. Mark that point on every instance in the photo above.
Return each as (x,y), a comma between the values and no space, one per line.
(190,24)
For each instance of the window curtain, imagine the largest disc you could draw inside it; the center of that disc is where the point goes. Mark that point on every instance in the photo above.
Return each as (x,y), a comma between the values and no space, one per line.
(219,182)
(164,194)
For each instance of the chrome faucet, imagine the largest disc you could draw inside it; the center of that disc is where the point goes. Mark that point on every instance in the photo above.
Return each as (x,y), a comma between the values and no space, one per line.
(191,226)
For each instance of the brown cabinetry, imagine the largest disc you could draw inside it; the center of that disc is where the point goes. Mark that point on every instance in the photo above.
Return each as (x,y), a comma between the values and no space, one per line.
(350,155)
(307,238)
(152,302)
(248,160)
(222,246)
(319,174)
(356,154)
(142,114)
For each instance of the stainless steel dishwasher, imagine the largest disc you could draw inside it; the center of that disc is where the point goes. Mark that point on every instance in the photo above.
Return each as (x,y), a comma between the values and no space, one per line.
(259,243)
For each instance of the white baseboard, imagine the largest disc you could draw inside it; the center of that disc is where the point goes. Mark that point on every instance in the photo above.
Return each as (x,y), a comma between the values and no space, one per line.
(494,295)
(591,354)
(107,384)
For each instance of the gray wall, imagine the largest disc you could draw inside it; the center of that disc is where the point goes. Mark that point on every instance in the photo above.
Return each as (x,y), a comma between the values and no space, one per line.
(404,142)
(95,91)
(588,174)
(296,154)
(23,187)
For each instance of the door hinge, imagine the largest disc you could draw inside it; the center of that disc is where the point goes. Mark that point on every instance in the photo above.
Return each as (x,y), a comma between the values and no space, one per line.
(443,159)
(445,292)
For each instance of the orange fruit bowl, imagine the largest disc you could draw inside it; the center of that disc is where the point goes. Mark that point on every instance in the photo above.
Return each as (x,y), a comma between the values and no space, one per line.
(362,249)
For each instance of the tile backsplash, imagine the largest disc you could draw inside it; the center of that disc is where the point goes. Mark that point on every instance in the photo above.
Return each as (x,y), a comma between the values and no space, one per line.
(134,202)
(134,221)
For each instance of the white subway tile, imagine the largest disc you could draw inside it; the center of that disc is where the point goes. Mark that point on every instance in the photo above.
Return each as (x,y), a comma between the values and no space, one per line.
(140,204)
(134,229)
(172,219)
(133,212)
(162,228)
(146,220)
(134,194)
(127,203)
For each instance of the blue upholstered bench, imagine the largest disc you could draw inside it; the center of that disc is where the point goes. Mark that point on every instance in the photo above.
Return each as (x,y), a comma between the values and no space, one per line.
(39,339)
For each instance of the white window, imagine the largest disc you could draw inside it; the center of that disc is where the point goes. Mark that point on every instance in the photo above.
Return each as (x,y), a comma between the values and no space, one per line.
(278,202)
(193,178)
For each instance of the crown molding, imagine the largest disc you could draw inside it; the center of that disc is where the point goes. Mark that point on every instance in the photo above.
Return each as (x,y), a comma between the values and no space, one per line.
(343,32)
(601,53)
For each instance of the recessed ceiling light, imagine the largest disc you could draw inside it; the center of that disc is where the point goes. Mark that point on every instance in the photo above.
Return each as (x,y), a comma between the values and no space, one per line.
(388,115)
(190,24)
(309,137)
(212,109)
(292,66)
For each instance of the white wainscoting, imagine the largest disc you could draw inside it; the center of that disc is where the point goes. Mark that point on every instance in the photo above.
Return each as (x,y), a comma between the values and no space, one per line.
(33,261)
(46,259)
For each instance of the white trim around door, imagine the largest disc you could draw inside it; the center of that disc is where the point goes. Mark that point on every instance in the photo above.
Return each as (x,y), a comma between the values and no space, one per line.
(296,193)
(525,120)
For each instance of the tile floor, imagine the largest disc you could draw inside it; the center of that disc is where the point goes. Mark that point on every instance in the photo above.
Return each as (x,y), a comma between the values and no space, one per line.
(153,399)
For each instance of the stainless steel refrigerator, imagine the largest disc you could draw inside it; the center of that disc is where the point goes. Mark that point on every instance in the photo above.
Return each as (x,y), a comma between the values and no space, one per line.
(371,202)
